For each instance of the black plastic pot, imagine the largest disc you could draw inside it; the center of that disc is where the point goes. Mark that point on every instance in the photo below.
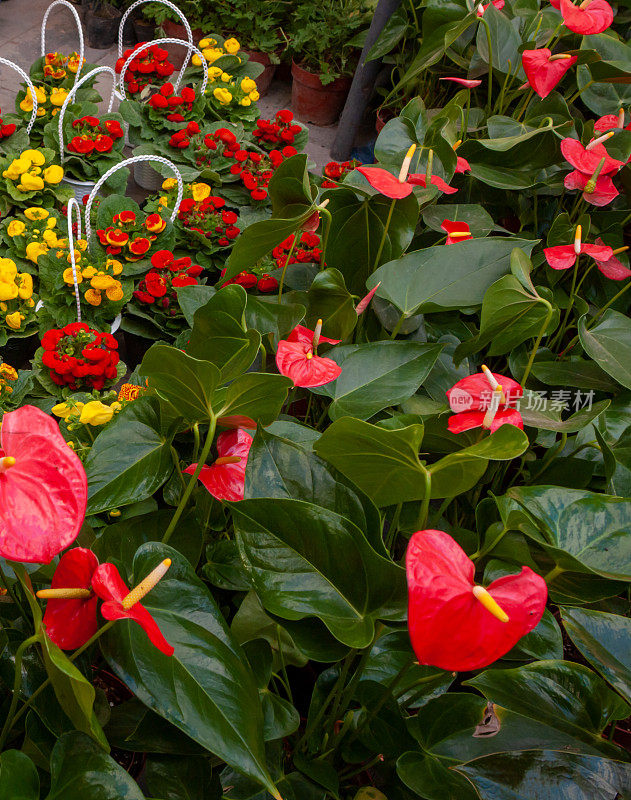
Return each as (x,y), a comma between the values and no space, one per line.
(101,25)
(145,31)
(19,351)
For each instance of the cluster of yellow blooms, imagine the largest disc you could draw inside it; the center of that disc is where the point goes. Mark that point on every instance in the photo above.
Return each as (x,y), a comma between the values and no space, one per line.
(16,294)
(31,170)
(242,92)
(56,98)
(196,191)
(96,280)
(34,234)
(7,374)
(92,413)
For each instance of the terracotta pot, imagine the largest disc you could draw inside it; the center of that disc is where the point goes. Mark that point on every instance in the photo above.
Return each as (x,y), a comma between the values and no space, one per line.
(383,115)
(313,102)
(175,30)
(265,78)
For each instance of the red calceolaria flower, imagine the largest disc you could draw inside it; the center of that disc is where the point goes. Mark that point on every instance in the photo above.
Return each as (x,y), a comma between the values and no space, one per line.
(455,624)
(545,70)
(79,357)
(151,62)
(588,18)
(129,236)
(121,603)
(70,617)
(255,169)
(563,256)
(398,188)
(94,136)
(210,218)
(476,400)
(613,268)
(297,358)
(282,131)
(456,231)
(43,488)
(6,130)
(167,273)
(165,100)
(334,171)
(225,477)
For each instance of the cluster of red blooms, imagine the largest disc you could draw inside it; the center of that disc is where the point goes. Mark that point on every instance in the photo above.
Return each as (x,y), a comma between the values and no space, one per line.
(79,357)
(166,100)
(335,171)
(150,67)
(167,274)
(6,130)
(210,218)
(281,131)
(256,169)
(93,136)
(264,282)
(129,237)
(182,139)
(220,143)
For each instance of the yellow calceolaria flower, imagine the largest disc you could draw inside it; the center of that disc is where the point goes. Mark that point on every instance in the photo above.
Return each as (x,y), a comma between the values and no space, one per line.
(50,237)
(51,223)
(16,228)
(8,291)
(169,183)
(58,96)
(114,293)
(254,96)
(248,85)
(8,270)
(93,297)
(114,265)
(245,101)
(196,60)
(53,174)
(34,213)
(14,320)
(8,373)
(231,46)
(211,54)
(3,307)
(16,168)
(30,183)
(89,272)
(163,201)
(35,157)
(214,73)
(67,410)
(200,191)
(82,244)
(69,278)
(130,391)
(222,95)
(96,413)
(34,250)
(27,103)
(101,281)
(207,42)
(25,285)
(225,78)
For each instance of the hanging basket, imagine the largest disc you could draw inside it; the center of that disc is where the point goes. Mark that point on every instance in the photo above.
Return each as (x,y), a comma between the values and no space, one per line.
(147,177)
(29,83)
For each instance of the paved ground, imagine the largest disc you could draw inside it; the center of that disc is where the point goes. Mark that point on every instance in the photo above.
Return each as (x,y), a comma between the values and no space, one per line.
(20,22)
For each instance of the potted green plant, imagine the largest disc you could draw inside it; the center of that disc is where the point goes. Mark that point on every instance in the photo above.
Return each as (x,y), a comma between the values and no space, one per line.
(324,57)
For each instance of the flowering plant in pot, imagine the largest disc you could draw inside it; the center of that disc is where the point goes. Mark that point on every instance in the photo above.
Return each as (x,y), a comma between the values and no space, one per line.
(31,177)
(55,70)
(31,233)
(17,302)
(151,68)
(49,101)
(91,145)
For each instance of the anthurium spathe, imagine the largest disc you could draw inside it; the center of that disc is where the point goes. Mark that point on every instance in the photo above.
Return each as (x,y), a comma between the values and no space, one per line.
(456,231)
(563,256)
(121,603)
(588,18)
(455,624)
(611,122)
(468,84)
(70,617)
(599,191)
(613,268)
(225,478)
(485,400)
(43,488)
(587,158)
(544,70)
(396,188)
(297,358)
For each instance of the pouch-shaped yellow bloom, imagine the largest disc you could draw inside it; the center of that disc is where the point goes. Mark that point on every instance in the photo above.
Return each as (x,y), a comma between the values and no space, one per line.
(101,281)
(245,101)
(196,60)
(200,191)
(14,320)
(50,237)
(16,168)
(225,78)
(34,250)
(114,265)
(96,413)
(169,183)
(53,174)
(8,291)
(8,270)
(93,297)
(254,96)
(30,183)
(248,85)
(114,293)
(58,96)
(25,285)
(214,72)
(34,213)
(223,95)
(36,157)
(231,45)
(66,410)
(89,272)
(51,223)
(68,277)
(27,103)
(16,228)
(211,54)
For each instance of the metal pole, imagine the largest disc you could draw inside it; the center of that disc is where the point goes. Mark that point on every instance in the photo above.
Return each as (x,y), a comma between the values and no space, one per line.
(362,86)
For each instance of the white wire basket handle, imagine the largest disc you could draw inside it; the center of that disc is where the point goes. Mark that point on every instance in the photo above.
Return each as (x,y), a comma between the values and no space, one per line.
(30,85)
(127,163)
(172,6)
(72,206)
(191,49)
(70,98)
(73,10)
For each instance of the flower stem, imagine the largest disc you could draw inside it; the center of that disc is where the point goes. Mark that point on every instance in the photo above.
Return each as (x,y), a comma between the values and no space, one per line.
(325,238)
(282,276)
(535,347)
(193,480)
(554,573)
(599,314)
(489,95)
(424,509)
(383,237)
(17,685)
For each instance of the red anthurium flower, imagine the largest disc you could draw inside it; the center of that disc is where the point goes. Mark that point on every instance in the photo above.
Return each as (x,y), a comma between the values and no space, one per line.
(43,488)
(499,4)
(476,401)
(462,165)
(121,603)
(439,183)
(456,231)
(70,617)
(613,268)
(225,478)
(590,17)
(386,183)
(455,624)
(297,358)
(365,301)
(544,70)
(597,192)
(563,256)
(587,159)
(468,84)
(611,122)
